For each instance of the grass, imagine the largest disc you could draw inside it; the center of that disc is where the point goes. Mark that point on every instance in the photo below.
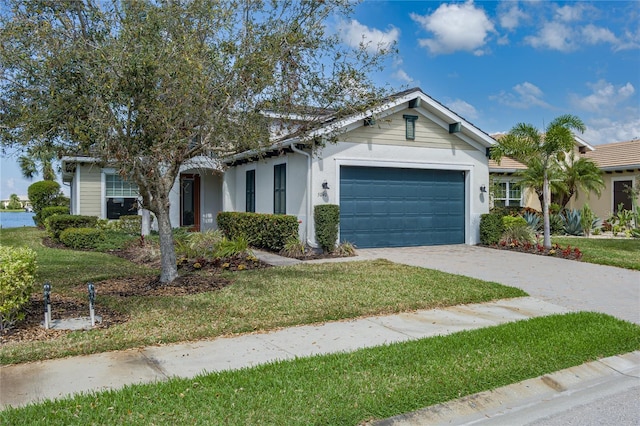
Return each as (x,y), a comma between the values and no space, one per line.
(623,253)
(258,300)
(348,389)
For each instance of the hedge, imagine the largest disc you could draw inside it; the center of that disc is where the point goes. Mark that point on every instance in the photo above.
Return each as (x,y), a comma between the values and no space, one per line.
(131,224)
(58,223)
(17,279)
(491,228)
(82,238)
(326,218)
(261,230)
(46,212)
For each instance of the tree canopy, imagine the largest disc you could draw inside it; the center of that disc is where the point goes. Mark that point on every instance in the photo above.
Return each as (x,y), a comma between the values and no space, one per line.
(540,150)
(146,86)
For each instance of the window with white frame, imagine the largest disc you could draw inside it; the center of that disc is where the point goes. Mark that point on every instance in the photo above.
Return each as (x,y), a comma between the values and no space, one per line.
(121,196)
(507,193)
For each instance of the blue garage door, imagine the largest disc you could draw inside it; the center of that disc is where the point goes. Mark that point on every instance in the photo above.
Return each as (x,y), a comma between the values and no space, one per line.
(385,207)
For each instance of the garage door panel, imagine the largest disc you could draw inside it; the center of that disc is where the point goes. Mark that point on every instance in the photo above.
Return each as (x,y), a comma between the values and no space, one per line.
(388,207)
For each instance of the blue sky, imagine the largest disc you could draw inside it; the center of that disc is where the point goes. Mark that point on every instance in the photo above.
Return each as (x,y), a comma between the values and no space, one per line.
(499,63)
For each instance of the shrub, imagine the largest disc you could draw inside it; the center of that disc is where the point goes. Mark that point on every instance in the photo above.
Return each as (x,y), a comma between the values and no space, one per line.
(46,212)
(131,224)
(513,221)
(58,223)
(572,223)
(44,194)
(517,234)
(589,221)
(17,279)
(326,218)
(261,230)
(198,244)
(491,228)
(556,223)
(345,249)
(82,238)
(294,248)
(231,248)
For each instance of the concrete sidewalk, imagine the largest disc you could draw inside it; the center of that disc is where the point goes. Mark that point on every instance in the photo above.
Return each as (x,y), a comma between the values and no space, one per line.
(32,382)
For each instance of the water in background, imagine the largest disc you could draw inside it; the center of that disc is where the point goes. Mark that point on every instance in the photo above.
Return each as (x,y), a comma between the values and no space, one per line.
(16,219)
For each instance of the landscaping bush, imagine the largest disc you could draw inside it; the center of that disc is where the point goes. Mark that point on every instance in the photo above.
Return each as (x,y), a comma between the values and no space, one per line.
(556,223)
(82,238)
(131,224)
(17,279)
(47,212)
(229,248)
(45,194)
(517,234)
(491,228)
(198,244)
(262,230)
(513,222)
(534,220)
(326,218)
(58,223)
(294,248)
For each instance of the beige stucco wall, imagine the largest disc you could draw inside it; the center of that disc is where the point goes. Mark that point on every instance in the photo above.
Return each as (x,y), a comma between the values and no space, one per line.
(603,206)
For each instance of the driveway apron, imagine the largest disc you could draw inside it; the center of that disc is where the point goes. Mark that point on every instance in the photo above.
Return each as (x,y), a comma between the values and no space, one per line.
(579,286)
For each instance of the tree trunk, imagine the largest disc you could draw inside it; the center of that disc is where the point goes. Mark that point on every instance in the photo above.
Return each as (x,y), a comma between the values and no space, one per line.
(546,193)
(167,250)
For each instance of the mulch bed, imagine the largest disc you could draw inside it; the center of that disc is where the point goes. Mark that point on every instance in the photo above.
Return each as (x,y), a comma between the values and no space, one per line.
(567,252)
(196,276)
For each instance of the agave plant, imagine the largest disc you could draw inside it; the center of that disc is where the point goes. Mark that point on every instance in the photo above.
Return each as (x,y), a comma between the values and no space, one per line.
(533,220)
(572,222)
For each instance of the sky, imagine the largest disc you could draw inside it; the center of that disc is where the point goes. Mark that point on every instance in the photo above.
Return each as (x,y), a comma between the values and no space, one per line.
(498,63)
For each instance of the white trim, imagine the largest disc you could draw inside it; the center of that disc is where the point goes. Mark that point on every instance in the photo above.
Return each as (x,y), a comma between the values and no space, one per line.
(509,180)
(468,168)
(632,178)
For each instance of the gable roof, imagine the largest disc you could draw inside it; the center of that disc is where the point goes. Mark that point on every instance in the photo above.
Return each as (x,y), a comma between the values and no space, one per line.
(411,98)
(617,156)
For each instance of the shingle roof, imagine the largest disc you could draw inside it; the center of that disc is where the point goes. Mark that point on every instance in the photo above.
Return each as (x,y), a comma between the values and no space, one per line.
(616,156)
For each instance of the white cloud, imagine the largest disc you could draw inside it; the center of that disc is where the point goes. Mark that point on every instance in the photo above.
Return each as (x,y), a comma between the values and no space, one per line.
(510,19)
(456,27)
(594,35)
(523,96)
(463,109)
(358,35)
(402,76)
(553,35)
(604,96)
(570,13)
(605,130)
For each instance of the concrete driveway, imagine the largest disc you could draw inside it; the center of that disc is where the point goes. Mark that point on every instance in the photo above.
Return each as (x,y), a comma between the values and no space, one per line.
(578,286)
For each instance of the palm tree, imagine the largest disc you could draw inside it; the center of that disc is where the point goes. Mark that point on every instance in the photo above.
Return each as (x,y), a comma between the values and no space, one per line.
(38,158)
(581,175)
(526,144)
(533,177)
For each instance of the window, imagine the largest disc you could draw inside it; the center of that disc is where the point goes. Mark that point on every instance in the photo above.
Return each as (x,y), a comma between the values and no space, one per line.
(507,194)
(410,123)
(251,191)
(121,197)
(621,194)
(280,189)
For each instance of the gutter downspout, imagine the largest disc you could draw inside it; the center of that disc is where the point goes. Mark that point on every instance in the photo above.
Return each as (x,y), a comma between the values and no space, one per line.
(309,180)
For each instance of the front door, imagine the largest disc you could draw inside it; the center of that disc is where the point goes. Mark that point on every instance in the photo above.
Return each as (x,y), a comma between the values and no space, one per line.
(190,201)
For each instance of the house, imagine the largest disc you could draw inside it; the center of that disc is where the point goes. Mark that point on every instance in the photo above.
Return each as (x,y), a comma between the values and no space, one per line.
(620,166)
(619,163)
(410,173)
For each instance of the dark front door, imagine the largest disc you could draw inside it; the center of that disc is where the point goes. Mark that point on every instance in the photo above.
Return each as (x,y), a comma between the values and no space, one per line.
(190,201)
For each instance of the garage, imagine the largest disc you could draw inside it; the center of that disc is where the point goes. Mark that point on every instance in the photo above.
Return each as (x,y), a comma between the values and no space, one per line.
(400,207)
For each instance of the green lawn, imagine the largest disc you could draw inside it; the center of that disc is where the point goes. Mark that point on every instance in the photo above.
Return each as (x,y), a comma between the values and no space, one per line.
(257,300)
(624,253)
(348,389)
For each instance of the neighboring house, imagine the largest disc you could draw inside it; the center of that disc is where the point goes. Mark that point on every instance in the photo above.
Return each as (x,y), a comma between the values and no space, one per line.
(620,166)
(619,163)
(414,173)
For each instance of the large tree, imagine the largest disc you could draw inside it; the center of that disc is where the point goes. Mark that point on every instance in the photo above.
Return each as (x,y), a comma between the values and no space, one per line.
(580,175)
(149,85)
(38,158)
(526,144)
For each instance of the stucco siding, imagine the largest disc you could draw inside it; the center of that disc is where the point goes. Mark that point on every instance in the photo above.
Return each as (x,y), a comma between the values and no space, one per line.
(603,206)
(390,130)
(90,190)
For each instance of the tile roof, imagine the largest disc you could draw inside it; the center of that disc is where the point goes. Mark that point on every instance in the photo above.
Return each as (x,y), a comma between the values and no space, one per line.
(506,164)
(617,156)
